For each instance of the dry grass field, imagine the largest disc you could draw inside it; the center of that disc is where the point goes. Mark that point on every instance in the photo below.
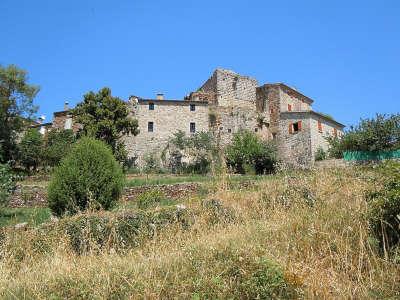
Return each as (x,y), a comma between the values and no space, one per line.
(296,235)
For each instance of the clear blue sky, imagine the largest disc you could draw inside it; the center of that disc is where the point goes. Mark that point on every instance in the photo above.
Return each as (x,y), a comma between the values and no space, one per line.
(343,54)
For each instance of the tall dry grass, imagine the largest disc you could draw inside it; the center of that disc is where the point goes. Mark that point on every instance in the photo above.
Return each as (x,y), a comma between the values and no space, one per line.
(310,223)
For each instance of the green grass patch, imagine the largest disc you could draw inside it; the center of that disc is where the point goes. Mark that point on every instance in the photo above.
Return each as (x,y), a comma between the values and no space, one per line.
(32,215)
(144,181)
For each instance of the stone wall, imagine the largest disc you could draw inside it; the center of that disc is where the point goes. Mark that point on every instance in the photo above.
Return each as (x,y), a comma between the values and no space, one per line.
(60,120)
(294,99)
(231,88)
(318,138)
(168,117)
(295,148)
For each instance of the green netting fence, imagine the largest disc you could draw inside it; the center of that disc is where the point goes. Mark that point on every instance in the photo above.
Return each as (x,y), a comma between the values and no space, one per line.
(370,155)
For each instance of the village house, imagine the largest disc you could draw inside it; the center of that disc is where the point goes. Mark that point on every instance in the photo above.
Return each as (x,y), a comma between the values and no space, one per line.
(224,104)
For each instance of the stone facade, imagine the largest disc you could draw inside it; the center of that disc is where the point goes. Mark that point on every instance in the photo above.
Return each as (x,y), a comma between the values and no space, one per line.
(224,104)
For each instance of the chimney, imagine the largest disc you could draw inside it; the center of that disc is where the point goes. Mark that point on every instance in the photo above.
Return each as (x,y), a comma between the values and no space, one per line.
(160,96)
(66,106)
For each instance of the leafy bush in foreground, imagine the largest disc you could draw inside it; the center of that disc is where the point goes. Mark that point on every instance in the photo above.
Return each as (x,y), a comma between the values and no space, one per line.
(88,177)
(384,207)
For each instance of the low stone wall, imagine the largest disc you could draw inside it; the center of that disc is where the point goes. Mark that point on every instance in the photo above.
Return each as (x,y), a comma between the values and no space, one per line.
(28,196)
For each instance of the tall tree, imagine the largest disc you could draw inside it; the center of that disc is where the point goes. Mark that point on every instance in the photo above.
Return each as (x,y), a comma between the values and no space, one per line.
(106,118)
(16,108)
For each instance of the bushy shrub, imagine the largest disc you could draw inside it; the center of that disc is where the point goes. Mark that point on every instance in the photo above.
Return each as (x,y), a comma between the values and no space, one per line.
(248,152)
(7,184)
(384,206)
(320,154)
(57,145)
(149,198)
(31,149)
(88,177)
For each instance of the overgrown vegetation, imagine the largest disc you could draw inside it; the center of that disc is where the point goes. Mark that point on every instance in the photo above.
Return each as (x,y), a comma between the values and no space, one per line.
(302,234)
(194,154)
(7,184)
(320,154)
(88,178)
(247,154)
(381,133)
(384,207)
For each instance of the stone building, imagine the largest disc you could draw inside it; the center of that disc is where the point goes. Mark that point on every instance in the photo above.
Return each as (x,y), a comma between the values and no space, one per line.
(224,104)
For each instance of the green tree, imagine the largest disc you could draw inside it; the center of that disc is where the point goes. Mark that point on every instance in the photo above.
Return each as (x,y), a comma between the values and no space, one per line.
(381,133)
(31,149)
(89,177)
(57,145)
(106,118)
(247,153)
(16,108)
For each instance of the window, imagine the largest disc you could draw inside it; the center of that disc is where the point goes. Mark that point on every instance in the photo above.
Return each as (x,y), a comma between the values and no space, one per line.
(289,107)
(319,126)
(334,132)
(295,127)
(192,127)
(255,129)
(229,130)
(274,136)
(151,106)
(192,107)
(150,126)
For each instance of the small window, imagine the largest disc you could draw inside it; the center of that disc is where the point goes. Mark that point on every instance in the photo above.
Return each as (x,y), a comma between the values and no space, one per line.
(229,130)
(151,106)
(274,136)
(192,107)
(295,127)
(255,129)
(192,127)
(334,132)
(289,107)
(150,126)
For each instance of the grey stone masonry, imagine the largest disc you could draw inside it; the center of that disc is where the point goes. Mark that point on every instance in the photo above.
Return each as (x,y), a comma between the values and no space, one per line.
(224,104)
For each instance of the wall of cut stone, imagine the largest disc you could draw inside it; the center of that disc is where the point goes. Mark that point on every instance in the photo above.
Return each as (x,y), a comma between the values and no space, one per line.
(168,117)
(318,139)
(235,90)
(297,102)
(295,148)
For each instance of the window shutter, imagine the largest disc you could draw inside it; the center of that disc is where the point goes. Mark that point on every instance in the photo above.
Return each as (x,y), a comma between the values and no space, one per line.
(335,132)
(289,107)
(290,128)
(299,125)
(319,126)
